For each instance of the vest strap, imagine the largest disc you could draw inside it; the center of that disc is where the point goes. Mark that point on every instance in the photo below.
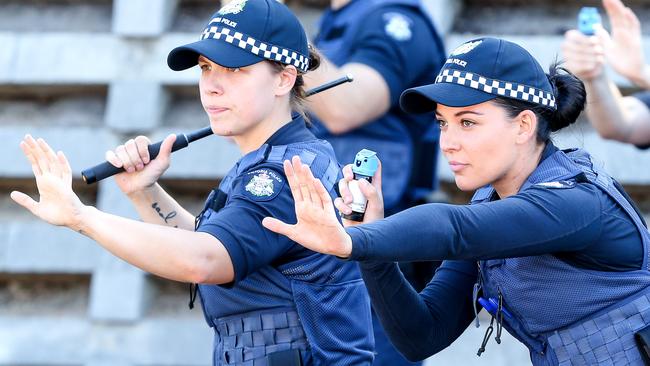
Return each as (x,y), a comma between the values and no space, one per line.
(282,152)
(331,175)
(277,154)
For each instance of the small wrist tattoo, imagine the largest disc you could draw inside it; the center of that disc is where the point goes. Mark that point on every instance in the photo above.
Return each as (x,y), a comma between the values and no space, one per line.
(165,217)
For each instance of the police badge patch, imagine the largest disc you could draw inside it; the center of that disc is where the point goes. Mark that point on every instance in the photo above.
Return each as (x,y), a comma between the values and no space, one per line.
(398,26)
(262,184)
(465,48)
(233,7)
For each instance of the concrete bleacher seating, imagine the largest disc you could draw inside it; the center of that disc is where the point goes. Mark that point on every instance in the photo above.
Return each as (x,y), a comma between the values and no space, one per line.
(119,63)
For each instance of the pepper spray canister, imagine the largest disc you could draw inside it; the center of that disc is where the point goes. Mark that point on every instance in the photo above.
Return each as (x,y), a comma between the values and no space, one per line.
(588,17)
(364,167)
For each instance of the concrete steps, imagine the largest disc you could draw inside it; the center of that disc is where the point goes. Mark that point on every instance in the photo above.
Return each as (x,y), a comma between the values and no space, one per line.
(93,74)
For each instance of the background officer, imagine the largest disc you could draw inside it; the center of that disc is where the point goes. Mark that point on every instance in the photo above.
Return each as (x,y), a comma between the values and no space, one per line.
(387,46)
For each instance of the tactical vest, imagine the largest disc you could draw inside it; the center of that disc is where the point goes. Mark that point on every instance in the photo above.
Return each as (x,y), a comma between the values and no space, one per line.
(327,318)
(567,315)
(407,144)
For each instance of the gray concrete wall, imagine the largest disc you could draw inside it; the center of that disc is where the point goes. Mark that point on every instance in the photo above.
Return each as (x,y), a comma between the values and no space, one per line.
(88,74)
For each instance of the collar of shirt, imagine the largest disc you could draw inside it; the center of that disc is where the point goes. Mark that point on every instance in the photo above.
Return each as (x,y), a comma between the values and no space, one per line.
(562,172)
(294,131)
(549,150)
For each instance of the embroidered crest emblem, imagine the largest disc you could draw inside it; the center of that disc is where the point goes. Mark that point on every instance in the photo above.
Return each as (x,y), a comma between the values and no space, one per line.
(398,26)
(464,48)
(261,185)
(233,7)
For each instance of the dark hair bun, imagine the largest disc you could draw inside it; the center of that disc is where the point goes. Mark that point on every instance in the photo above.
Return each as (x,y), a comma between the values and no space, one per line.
(570,97)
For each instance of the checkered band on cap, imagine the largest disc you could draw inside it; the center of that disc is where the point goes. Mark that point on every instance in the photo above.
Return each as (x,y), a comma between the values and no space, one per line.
(261,49)
(503,88)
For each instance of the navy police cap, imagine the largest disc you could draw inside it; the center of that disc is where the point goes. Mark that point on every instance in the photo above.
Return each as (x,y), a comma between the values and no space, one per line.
(245,32)
(480,70)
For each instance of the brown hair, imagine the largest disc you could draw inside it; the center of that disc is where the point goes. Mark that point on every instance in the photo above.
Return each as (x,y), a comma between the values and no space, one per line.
(298,95)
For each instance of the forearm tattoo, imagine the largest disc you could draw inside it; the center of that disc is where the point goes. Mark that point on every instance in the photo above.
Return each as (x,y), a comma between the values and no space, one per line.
(164,217)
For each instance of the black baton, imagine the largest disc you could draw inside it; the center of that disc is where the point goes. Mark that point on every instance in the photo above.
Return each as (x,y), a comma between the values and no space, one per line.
(106,169)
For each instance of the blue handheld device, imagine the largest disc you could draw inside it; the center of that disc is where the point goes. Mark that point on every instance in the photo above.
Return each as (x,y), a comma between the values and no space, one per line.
(587,18)
(365,165)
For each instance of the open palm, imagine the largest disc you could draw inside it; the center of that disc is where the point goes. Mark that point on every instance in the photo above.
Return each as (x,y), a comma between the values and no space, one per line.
(58,204)
(317,226)
(624,49)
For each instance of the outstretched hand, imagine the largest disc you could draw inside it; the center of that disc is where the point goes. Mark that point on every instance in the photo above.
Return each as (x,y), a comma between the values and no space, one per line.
(317,227)
(58,204)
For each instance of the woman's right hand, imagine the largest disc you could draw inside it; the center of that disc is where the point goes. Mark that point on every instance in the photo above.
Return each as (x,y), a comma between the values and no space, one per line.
(140,171)
(372,192)
(584,55)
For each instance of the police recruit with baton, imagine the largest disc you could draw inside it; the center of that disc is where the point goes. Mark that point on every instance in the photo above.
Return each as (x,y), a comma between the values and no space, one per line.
(106,169)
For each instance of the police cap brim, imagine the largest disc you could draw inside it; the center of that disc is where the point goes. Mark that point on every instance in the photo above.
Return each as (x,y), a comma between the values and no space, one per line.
(423,99)
(219,52)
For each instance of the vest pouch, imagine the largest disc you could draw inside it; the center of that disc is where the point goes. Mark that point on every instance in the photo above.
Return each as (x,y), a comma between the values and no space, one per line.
(326,312)
(284,358)
(607,337)
(642,338)
(265,338)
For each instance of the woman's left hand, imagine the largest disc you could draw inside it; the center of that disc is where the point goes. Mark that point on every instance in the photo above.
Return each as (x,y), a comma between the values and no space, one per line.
(318,227)
(58,204)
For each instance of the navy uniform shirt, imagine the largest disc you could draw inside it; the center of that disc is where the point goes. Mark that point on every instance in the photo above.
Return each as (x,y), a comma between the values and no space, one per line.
(644,97)
(274,274)
(399,43)
(238,225)
(582,226)
(387,51)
